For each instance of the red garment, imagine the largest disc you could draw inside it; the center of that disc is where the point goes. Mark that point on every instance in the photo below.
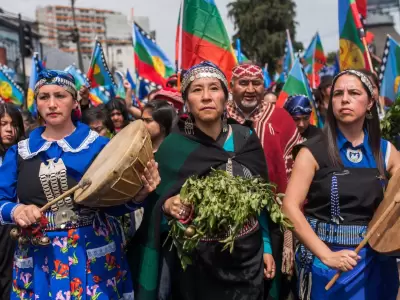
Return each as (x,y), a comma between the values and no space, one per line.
(278,135)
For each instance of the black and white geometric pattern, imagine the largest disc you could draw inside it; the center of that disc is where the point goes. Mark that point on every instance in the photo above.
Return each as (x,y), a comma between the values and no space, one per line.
(384,60)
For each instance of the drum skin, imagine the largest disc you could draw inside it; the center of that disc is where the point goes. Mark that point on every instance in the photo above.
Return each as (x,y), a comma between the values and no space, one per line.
(115,173)
(386,239)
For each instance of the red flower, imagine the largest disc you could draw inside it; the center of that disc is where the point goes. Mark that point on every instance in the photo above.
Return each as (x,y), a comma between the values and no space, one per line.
(61,269)
(110,259)
(76,288)
(96,279)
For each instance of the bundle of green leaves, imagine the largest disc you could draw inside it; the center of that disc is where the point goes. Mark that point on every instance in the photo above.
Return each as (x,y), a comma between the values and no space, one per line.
(221,205)
(390,125)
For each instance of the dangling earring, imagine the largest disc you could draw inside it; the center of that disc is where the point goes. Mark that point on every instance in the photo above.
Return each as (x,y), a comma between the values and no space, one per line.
(224,122)
(189,127)
(369,115)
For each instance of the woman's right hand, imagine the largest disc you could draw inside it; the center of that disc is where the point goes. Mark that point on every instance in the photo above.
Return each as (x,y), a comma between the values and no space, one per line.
(174,207)
(343,260)
(26,215)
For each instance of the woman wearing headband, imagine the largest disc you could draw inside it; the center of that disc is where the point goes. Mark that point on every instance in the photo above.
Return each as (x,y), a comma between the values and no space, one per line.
(299,108)
(342,173)
(74,252)
(202,141)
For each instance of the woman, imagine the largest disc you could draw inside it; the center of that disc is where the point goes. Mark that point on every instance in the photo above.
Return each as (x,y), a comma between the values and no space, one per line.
(29,122)
(299,108)
(203,141)
(97,119)
(11,132)
(118,113)
(159,117)
(80,253)
(322,95)
(342,175)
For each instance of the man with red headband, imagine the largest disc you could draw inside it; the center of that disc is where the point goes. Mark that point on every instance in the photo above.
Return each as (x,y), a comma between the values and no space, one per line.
(278,135)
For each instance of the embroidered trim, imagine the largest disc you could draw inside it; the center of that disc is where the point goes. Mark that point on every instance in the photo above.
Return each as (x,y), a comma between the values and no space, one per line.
(128,296)
(92,136)
(25,152)
(12,213)
(101,251)
(23,263)
(2,222)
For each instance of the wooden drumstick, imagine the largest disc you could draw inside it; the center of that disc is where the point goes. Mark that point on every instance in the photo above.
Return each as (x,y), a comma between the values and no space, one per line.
(81,185)
(369,234)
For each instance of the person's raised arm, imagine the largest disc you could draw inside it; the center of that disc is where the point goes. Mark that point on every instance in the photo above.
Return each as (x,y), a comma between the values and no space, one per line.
(134,111)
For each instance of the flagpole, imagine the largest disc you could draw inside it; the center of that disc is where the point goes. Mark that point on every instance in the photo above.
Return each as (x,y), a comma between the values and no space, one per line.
(180,44)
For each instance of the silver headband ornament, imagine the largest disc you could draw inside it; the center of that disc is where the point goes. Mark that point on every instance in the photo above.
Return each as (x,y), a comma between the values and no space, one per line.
(65,84)
(364,79)
(202,72)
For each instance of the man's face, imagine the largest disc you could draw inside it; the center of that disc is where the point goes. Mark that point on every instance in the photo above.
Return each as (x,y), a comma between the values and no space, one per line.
(247,92)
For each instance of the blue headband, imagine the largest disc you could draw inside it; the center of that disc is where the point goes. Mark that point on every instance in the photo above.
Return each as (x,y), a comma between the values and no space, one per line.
(55,77)
(205,69)
(298,105)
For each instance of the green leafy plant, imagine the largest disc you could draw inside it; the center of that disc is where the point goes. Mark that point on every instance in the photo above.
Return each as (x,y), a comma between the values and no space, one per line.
(390,124)
(222,204)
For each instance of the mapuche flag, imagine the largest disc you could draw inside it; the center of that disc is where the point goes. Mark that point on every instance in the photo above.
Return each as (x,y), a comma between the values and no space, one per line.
(297,84)
(150,61)
(80,78)
(353,53)
(315,59)
(98,73)
(36,68)
(9,90)
(204,37)
(390,70)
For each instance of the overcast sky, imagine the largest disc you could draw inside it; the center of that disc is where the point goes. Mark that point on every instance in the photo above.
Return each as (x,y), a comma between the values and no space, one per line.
(312,16)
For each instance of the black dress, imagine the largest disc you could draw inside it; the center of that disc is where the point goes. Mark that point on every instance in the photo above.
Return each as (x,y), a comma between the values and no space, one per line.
(7,246)
(310,132)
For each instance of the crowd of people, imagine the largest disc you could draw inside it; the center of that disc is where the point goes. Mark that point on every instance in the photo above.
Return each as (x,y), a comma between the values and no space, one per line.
(333,180)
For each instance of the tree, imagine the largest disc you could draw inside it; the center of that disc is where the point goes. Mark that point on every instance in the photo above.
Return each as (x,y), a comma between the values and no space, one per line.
(261,26)
(330,59)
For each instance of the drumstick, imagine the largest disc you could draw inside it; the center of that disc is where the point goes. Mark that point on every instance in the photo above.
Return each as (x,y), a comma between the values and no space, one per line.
(369,234)
(81,185)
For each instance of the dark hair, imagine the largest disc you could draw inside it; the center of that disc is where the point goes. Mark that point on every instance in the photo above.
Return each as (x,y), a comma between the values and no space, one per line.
(163,113)
(17,121)
(98,113)
(118,104)
(372,126)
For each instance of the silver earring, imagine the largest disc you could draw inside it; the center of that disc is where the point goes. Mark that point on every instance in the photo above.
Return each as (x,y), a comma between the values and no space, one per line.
(189,127)
(369,115)
(224,122)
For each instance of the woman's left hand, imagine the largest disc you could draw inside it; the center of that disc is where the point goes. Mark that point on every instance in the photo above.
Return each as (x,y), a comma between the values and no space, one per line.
(151,179)
(269,266)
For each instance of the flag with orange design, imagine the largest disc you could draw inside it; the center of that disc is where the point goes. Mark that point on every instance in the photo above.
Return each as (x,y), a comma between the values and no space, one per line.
(98,73)
(353,54)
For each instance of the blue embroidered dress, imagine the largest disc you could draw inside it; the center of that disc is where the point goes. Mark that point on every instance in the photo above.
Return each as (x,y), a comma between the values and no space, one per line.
(341,203)
(85,260)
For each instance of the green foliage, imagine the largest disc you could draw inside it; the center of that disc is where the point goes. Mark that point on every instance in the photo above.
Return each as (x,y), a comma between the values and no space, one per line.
(222,205)
(390,125)
(331,57)
(261,26)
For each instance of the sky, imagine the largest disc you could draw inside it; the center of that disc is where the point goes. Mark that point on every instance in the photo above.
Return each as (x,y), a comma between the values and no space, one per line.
(312,16)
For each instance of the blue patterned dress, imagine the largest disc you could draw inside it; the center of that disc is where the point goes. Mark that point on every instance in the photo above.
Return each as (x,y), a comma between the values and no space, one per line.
(85,260)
